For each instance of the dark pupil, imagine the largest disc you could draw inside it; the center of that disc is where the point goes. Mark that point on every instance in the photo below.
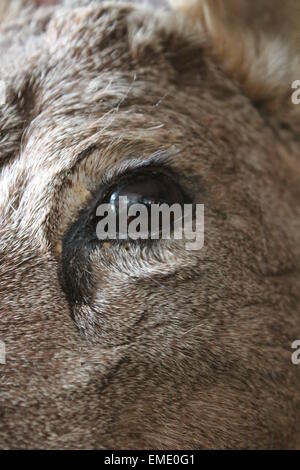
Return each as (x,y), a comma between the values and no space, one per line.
(147,188)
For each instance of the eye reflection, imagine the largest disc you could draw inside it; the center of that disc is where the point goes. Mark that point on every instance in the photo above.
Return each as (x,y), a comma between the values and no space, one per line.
(147,187)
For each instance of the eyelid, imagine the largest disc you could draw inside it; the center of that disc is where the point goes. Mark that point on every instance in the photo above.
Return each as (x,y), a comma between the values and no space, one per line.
(158,159)
(95,185)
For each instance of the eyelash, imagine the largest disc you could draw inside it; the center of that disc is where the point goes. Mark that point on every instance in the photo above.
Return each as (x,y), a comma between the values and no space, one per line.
(115,177)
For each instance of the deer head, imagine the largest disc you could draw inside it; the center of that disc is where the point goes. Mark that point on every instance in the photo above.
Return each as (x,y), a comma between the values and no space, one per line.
(149,345)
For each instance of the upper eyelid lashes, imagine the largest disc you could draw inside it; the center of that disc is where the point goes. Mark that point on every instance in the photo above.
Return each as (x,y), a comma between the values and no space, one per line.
(158,159)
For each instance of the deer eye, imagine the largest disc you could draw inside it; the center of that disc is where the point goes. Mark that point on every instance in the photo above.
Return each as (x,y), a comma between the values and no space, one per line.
(133,199)
(147,187)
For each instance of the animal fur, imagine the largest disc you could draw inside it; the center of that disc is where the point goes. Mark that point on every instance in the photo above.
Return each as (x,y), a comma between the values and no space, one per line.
(167,348)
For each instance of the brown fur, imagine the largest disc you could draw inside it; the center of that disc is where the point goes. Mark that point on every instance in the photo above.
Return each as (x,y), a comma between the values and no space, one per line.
(170,348)
(256,42)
